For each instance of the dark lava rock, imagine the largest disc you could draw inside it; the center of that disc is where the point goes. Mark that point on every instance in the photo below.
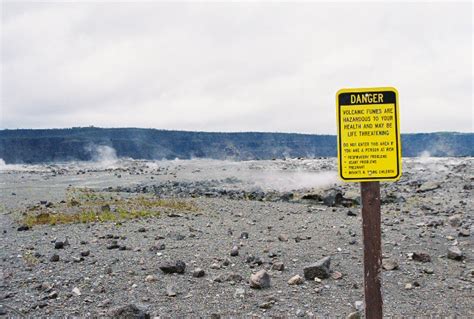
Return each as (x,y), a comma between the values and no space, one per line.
(170,268)
(315,197)
(23,228)
(351,213)
(54,258)
(113,245)
(85,253)
(332,198)
(421,257)
(59,245)
(319,269)
(130,311)
(157,247)
(141,229)
(234,251)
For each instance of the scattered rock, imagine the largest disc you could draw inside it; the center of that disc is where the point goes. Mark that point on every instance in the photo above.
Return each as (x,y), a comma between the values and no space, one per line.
(234,251)
(296,280)
(389,264)
(332,198)
(198,272)
(319,269)
(260,280)
(455,220)
(336,275)
(23,228)
(157,247)
(464,233)
(428,186)
(455,253)
(421,257)
(113,245)
(151,278)
(244,235)
(428,271)
(359,305)
(85,253)
(170,268)
(130,311)
(171,291)
(266,305)
(351,213)
(59,245)
(76,291)
(54,258)
(283,237)
(278,266)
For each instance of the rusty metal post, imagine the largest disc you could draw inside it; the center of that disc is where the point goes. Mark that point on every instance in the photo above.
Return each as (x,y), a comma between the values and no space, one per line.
(370,195)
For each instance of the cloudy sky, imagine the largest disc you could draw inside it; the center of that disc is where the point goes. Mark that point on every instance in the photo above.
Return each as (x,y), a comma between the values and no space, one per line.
(245,66)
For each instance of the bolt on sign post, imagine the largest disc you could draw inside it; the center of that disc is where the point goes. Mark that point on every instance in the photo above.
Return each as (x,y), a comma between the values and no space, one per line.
(369,151)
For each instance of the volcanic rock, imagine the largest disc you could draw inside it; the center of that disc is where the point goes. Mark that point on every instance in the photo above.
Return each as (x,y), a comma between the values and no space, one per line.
(296,280)
(260,280)
(319,269)
(170,268)
(421,257)
(130,311)
(455,253)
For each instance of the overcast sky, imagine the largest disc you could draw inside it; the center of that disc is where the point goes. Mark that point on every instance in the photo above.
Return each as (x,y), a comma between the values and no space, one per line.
(232,66)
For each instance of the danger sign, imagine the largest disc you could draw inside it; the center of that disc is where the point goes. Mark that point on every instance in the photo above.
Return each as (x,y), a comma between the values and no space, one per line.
(368,145)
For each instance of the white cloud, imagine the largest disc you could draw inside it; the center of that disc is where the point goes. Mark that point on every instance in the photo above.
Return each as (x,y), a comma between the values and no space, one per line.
(232,67)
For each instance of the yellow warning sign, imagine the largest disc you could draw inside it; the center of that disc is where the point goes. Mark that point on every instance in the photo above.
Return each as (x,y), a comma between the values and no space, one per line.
(368,139)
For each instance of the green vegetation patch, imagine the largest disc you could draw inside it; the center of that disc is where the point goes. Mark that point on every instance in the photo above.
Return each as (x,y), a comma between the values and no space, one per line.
(88,206)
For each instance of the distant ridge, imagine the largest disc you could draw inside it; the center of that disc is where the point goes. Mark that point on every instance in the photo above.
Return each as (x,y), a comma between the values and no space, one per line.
(59,145)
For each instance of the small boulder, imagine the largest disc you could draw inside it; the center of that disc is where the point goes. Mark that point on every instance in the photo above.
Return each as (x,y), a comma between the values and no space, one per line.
(76,291)
(278,266)
(421,257)
(130,311)
(319,269)
(455,253)
(198,272)
(428,186)
(170,268)
(389,264)
(260,280)
(59,245)
(234,251)
(151,278)
(296,280)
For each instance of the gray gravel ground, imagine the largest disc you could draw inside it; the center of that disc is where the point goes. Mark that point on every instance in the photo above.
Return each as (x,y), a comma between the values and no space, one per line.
(428,211)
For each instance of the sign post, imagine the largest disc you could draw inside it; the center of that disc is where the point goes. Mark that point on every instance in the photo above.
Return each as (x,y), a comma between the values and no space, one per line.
(369,151)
